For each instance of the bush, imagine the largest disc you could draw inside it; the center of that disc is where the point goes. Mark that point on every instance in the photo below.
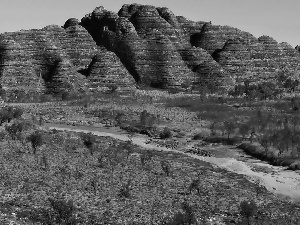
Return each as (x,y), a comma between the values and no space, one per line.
(194,186)
(6,115)
(188,217)
(146,157)
(17,128)
(65,95)
(112,88)
(64,211)
(244,130)
(146,119)
(119,118)
(36,140)
(45,98)
(17,113)
(166,133)
(166,167)
(88,141)
(198,137)
(125,190)
(248,209)
(229,127)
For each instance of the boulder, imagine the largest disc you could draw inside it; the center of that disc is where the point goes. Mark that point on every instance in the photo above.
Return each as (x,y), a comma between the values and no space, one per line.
(295,166)
(71,22)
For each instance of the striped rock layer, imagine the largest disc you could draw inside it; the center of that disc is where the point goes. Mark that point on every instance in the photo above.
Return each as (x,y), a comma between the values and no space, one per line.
(139,44)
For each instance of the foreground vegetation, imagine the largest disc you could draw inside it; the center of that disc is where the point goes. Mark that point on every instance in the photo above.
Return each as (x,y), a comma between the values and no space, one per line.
(52,177)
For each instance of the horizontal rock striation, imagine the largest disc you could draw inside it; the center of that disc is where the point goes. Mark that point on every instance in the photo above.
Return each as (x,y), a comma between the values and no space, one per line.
(257,60)
(148,40)
(106,70)
(140,44)
(214,37)
(36,61)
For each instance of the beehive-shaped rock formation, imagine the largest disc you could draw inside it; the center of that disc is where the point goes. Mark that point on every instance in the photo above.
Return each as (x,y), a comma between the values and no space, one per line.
(256,59)
(106,69)
(213,37)
(147,44)
(148,53)
(147,18)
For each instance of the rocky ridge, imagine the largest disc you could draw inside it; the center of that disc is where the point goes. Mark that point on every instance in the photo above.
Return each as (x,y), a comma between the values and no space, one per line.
(141,44)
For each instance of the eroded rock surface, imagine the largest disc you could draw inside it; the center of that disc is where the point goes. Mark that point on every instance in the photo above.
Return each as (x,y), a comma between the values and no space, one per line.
(149,45)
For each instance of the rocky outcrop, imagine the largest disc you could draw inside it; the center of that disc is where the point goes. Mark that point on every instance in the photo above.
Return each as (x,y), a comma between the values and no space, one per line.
(189,27)
(213,37)
(144,44)
(71,22)
(207,72)
(106,69)
(256,60)
(36,61)
(48,60)
(140,36)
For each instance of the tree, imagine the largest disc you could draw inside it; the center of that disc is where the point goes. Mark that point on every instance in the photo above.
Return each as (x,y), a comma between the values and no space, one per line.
(17,128)
(244,130)
(88,141)
(229,127)
(36,140)
(295,103)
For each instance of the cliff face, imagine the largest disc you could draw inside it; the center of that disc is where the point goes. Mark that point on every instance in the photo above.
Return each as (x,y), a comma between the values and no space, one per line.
(139,44)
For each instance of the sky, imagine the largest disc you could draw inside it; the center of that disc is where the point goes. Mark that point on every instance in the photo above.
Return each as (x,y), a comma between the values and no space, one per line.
(279,19)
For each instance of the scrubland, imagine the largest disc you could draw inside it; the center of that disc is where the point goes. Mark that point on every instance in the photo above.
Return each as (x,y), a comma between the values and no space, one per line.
(59,177)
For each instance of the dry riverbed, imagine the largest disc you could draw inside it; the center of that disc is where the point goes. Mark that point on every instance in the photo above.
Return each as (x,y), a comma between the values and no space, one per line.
(276,179)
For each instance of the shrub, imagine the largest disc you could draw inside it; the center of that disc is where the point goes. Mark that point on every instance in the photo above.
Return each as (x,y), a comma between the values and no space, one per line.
(128,147)
(194,186)
(248,209)
(17,113)
(125,190)
(36,140)
(166,167)
(295,103)
(229,127)
(188,217)
(45,98)
(146,119)
(244,129)
(198,137)
(65,95)
(174,90)
(17,128)
(88,141)
(45,162)
(64,211)
(212,128)
(146,157)
(166,133)
(6,115)
(119,118)
(112,88)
